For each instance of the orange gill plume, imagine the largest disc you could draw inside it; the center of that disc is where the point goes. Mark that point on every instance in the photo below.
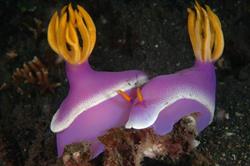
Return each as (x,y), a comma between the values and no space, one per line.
(63,31)
(205,33)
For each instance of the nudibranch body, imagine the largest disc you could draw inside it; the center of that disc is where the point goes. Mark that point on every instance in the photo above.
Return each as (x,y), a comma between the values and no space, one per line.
(95,101)
(168,98)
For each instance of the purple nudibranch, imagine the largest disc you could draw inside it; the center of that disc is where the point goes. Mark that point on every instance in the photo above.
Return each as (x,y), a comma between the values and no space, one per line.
(95,101)
(168,98)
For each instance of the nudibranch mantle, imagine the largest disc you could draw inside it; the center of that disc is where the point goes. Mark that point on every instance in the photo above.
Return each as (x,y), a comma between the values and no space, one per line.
(189,85)
(63,118)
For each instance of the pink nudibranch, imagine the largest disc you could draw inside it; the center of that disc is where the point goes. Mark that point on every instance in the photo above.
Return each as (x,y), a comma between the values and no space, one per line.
(93,104)
(168,98)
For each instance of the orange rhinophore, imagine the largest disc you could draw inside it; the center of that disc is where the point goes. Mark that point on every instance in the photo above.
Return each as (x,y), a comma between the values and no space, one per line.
(124,95)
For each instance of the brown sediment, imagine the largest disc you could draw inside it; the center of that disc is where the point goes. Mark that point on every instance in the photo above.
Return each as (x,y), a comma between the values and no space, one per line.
(4,158)
(129,147)
(77,154)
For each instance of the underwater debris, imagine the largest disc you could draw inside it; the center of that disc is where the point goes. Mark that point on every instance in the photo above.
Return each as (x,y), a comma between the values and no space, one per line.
(3,86)
(76,155)
(129,147)
(36,29)
(200,159)
(34,72)
(11,54)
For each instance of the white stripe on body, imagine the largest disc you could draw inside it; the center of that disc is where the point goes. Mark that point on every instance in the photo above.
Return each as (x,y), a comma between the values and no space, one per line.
(99,97)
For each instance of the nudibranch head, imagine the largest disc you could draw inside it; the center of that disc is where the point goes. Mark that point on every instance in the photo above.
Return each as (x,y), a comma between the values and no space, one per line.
(63,35)
(166,99)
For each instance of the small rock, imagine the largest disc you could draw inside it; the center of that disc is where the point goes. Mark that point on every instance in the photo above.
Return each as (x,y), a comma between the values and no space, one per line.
(103,20)
(239,114)
(227,116)
(229,134)
(142,42)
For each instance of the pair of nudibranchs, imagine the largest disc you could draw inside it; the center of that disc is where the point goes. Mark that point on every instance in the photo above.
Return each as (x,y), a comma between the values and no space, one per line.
(98,101)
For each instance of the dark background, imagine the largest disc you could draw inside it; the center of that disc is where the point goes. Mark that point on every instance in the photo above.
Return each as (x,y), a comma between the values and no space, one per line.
(146,35)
